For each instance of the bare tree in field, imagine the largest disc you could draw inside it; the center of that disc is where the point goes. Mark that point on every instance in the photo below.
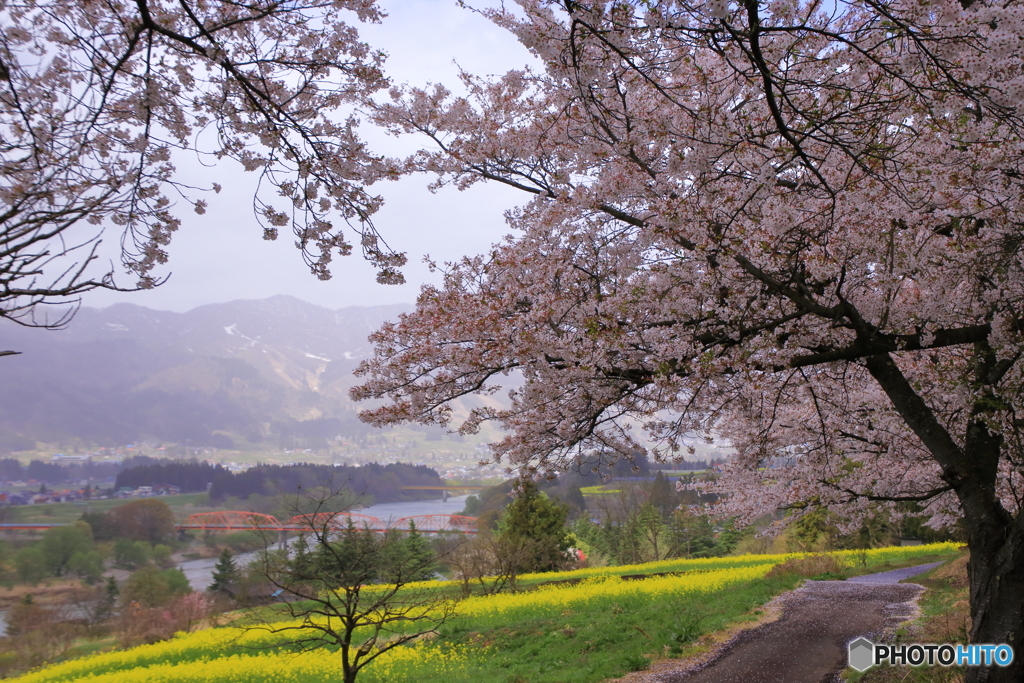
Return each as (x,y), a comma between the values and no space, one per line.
(348,587)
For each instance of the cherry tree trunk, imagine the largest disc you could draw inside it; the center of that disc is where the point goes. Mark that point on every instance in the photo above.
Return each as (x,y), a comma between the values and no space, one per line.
(995,535)
(996,574)
(996,582)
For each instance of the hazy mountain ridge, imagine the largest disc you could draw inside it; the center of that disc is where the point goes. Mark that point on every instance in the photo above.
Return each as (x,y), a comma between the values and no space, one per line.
(125,372)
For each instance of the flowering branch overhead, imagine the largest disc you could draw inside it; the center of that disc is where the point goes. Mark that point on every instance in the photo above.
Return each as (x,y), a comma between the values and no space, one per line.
(98,98)
(792,226)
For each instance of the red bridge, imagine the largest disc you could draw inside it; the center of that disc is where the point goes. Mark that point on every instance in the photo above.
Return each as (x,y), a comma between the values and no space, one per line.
(255,521)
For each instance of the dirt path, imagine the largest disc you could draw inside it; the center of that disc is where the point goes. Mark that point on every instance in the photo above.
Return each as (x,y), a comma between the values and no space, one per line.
(807,644)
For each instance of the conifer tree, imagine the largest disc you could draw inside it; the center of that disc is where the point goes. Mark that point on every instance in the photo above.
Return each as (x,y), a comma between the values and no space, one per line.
(108,602)
(534,519)
(302,560)
(224,572)
(419,556)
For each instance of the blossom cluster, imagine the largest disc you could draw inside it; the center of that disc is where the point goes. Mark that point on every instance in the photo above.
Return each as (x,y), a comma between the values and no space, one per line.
(807,260)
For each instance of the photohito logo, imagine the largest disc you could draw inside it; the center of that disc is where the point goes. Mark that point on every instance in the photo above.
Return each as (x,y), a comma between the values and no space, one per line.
(864,654)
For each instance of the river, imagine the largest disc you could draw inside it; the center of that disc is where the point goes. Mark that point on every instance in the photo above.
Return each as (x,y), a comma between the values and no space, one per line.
(200,572)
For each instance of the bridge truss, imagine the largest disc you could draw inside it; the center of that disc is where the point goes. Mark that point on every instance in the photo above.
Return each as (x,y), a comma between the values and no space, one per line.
(322,521)
(436,523)
(230,519)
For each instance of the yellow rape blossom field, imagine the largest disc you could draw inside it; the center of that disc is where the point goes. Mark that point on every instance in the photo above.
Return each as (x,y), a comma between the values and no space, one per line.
(581,626)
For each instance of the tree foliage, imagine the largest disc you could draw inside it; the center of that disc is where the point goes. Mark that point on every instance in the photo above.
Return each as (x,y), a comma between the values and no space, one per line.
(381,482)
(100,100)
(30,565)
(153,587)
(792,225)
(147,519)
(70,550)
(224,572)
(188,475)
(536,523)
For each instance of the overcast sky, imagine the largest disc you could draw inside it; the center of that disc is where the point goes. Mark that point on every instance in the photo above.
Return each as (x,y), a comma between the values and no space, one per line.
(221,256)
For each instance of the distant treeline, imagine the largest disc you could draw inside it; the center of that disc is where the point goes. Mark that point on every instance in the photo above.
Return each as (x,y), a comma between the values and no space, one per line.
(190,476)
(52,473)
(698,464)
(382,482)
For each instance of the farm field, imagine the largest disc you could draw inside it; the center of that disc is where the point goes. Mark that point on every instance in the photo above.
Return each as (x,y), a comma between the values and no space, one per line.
(66,513)
(571,627)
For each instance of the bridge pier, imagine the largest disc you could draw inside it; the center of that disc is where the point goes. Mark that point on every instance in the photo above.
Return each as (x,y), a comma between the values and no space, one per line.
(282,539)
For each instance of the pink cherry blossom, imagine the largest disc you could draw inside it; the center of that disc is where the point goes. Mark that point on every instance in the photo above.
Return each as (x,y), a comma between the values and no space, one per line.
(98,100)
(794,230)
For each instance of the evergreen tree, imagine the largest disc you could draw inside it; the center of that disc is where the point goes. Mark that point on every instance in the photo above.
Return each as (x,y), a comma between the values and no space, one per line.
(224,572)
(109,600)
(663,496)
(420,559)
(536,520)
(302,561)
(331,597)
(112,590)
(350,557)
(691,535)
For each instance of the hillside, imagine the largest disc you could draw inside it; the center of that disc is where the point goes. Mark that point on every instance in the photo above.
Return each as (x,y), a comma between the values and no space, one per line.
(249,368)
(582,626)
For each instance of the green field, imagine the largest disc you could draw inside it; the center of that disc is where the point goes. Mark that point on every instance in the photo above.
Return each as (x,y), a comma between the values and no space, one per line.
(66,513)
(573,632)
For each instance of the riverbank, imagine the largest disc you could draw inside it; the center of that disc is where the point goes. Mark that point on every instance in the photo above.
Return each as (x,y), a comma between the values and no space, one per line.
(199,572)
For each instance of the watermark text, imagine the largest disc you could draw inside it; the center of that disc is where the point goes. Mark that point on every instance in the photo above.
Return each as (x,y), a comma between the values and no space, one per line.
(864,654)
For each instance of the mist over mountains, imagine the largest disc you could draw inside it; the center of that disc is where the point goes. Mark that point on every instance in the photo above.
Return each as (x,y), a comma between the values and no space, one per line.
(247,368)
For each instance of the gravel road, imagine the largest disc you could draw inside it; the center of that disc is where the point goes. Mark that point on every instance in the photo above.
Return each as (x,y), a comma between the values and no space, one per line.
(895,576)
(807,644)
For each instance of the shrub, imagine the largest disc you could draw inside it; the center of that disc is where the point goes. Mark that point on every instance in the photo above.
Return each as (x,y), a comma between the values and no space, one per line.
(162,556)
(130,554)
(30,565)
(151,587)
(812,565)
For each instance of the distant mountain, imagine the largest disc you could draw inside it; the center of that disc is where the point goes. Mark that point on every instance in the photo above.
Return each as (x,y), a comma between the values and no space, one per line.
(251,368)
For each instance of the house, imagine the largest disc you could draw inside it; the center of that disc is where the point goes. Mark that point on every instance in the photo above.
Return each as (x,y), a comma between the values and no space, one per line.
(260,593)
(62,459)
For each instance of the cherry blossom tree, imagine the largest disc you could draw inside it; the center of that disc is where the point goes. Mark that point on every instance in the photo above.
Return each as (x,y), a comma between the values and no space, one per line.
(99,99)
(796,225)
